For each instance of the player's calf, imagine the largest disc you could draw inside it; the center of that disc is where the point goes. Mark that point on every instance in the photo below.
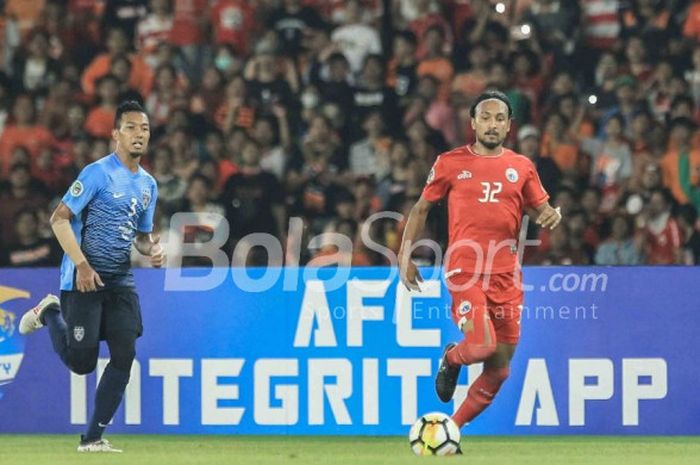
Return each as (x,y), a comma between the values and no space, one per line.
(481,394)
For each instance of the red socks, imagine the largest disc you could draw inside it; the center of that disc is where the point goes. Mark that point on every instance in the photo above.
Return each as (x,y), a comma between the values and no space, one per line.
(481,394)
(479,341)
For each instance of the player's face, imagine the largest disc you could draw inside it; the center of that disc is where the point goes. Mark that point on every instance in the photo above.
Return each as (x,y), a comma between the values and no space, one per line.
(491,123)
(133,133)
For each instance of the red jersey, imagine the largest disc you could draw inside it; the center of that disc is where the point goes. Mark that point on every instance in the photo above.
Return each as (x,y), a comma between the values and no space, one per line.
(663,239)
(233,23)
(486,196)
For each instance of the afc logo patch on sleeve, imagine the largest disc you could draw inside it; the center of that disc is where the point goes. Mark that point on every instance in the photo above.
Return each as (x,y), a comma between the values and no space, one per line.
(146,197)
(76,189)
(431,176)
(464,307)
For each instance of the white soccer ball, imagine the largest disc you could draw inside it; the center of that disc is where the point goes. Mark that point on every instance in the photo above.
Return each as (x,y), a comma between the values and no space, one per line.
(434,434)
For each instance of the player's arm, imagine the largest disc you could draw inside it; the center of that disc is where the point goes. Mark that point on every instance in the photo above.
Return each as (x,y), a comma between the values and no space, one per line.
(146,243)
(410,276)
(537,199)
(149,245)
(87,279)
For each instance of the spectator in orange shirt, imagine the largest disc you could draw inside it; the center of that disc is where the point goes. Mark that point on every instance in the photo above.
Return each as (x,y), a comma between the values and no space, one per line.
(25,12)
(556,143)
(473,81)
(100,120)
(691,27)
(681,165)
(22,129)
(435,62)
(141,74)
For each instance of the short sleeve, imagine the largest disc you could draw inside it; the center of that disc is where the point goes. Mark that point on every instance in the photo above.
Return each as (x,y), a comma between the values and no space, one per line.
(438,183)
(534,193)
(83,190)
(146,221)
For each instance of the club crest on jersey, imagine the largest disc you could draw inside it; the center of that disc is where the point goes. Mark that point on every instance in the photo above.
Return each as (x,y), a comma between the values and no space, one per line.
(512,175)
(78,333)
(431,175)
(464,307)
(76,189)
(146,197)
(464,175)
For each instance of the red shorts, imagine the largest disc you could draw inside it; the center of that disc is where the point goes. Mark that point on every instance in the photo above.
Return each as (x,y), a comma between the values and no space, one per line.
(498,294)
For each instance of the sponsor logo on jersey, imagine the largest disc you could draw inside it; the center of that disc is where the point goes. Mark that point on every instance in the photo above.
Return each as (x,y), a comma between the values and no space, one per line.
(76,189)
(464,175)
(512,175)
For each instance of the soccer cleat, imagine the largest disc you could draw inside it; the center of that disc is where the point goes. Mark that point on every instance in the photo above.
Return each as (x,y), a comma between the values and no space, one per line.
(446,379)
(99,445)
(31,320)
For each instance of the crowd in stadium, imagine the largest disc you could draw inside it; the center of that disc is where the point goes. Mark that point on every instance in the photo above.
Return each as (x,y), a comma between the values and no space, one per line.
(332,110)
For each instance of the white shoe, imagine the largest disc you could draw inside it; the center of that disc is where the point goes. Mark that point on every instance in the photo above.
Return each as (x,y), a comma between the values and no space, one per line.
(101,445)
(31,320)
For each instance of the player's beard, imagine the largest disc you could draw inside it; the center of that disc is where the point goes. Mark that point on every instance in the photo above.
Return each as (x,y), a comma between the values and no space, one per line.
(491,144)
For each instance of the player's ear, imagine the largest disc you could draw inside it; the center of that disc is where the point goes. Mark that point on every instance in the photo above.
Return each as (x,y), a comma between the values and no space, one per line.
(472,122)
(115,134)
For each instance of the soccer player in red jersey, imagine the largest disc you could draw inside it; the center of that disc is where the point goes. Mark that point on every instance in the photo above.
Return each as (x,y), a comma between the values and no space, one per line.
(488,188)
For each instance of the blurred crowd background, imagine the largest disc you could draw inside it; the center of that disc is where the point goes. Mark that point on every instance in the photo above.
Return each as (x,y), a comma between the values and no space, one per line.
(333,110)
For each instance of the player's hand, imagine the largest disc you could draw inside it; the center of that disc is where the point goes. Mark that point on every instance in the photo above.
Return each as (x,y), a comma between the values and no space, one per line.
(410,276)
(157,255)
(87,279)
(549,218)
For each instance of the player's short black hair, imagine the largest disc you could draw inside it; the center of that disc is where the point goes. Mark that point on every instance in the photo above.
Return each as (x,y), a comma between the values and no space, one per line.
(128,106)
(488,95)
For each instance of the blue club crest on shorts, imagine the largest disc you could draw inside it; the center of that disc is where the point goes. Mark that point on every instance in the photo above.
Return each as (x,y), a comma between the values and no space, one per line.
(78,333)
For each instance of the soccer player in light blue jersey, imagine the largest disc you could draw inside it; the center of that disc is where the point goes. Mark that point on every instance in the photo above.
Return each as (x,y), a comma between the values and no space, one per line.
(106,210)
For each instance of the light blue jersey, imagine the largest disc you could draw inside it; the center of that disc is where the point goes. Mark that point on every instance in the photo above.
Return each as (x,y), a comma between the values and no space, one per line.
(109,204)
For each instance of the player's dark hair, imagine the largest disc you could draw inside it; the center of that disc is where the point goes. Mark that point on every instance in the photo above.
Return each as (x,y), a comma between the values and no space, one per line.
(129,106)
(488,95)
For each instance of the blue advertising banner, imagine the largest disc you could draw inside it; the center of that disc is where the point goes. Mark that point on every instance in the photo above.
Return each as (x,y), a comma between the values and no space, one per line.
(603,351)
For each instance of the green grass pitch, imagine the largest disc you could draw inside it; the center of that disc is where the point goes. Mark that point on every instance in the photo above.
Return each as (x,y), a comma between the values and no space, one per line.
(270,450)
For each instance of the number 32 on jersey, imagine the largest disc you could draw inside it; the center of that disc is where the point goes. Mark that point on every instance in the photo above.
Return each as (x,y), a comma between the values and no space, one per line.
(490,190)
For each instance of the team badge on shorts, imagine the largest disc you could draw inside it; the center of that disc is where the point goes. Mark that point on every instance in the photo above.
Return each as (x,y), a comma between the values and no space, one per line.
(146,197)
(464,307)
(76,189)
(78,333)
(512,175)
